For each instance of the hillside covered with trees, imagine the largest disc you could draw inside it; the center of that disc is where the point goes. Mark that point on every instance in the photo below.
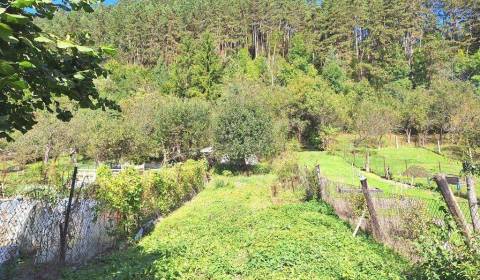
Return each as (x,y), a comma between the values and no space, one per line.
(369,67)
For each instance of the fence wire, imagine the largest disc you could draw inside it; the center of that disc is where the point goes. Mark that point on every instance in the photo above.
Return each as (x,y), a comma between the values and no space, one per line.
(403,218)
(30,228)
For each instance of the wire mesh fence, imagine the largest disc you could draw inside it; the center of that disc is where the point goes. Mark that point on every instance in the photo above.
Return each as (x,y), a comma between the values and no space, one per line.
(402,218)
(31,228)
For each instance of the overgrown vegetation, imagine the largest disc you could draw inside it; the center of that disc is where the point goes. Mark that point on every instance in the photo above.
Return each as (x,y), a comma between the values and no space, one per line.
(136,197)
(236,231)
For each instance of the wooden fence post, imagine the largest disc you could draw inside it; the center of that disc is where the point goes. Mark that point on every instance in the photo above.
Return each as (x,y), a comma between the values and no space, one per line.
(453,207)
(367,162)
(473,203)
(377,231)
(321,195)
(385,168)
(64,226)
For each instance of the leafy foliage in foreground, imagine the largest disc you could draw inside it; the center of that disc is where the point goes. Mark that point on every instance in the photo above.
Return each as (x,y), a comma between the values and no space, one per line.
(37,67)
(445,256)
(235,231)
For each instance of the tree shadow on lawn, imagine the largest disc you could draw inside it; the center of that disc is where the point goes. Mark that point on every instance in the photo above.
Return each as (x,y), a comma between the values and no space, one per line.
(133,263)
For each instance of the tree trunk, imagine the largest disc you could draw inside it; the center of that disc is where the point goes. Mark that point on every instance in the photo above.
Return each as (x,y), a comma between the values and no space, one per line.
(473,203)
(408,131)
(439,146)
(48,149)
(396,142)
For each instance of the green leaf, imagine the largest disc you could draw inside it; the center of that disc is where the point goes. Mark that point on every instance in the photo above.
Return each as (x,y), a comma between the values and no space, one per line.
(5,31)
(6,68)
(19,84)
(26,64)
(15,18)
(11,39)
(2,10)
(108,50)
(83,49)
(65,45)
(27,42)
(20,4)
(42,39)
(79,76)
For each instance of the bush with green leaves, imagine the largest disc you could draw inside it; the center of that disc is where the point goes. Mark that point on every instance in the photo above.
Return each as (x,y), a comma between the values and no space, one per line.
(163,191)
(243,127)
(135,198)
(286,167)
(122,194)
(168,188)
(444,254)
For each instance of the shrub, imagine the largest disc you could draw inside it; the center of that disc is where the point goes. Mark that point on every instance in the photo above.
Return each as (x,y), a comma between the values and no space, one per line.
(262,168)
(159,192)
(286,167)
(164,189)
(444,255)
(168,188)
(122,194)
(191,175)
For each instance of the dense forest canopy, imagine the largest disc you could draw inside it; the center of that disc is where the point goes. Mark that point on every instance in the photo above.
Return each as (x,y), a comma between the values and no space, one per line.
(382,41)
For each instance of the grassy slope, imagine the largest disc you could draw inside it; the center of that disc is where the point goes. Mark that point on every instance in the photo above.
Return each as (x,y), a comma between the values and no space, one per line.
(407,155)
(240,233)
(337,169)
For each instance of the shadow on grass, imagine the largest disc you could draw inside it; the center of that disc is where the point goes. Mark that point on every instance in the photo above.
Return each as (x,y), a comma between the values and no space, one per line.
(134,263)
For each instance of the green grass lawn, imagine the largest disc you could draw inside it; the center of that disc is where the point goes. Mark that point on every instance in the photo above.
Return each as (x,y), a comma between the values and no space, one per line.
(398,159)
(241,232)
(403,158)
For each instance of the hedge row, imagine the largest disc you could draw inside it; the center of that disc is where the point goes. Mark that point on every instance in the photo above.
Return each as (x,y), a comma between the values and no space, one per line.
(135,197)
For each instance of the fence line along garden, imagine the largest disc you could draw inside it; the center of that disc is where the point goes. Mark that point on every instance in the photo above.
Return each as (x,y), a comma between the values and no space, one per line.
(396,219)
(93,212)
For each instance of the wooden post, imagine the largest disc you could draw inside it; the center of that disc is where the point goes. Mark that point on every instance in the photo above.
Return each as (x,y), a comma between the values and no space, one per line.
(64,229)
(396,141)
(360,222)
(385,168)
(473,203)
(367,161)
(377,232)
(321,184)
(453,207)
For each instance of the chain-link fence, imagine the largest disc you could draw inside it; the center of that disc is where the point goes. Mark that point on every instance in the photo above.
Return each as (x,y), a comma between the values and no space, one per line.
(31,228)
(402,218)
